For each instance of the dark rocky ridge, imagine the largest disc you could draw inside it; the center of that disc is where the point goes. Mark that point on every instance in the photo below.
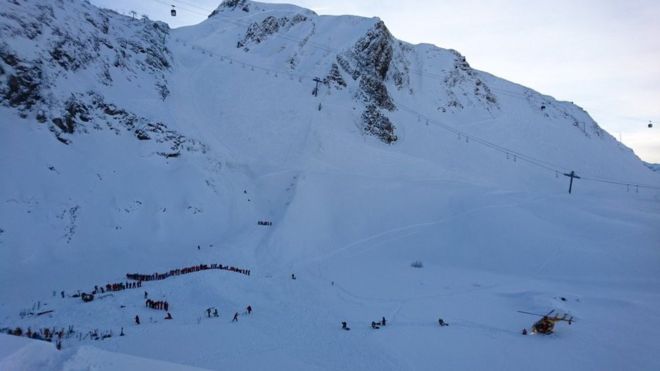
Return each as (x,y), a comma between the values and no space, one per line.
(66,43)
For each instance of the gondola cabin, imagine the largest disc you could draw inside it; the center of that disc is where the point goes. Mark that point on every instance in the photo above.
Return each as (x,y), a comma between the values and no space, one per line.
(173,11)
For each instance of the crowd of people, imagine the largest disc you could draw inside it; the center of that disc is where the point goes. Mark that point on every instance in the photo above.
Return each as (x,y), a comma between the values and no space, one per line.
(45,334)
(159,305)
(111,287)
(177,272)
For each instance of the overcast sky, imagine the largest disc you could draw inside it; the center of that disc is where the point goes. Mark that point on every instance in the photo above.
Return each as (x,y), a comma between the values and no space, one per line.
(604,55)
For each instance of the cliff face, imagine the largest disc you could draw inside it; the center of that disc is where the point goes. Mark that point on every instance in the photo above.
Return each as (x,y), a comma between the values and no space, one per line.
(59,58)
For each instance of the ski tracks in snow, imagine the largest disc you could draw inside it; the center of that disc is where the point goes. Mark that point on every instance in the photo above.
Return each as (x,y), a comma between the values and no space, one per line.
(409,227)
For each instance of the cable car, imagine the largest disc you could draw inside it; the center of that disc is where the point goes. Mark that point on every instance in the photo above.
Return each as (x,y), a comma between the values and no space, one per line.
(173,11)
(650,124)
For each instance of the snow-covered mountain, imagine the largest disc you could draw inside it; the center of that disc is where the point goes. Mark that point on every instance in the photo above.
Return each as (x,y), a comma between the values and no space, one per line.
(654,167)
(128,146)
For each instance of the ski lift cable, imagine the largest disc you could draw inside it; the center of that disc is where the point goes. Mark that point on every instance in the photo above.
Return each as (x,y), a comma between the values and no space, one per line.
(243,63)
(169,4)
(529,159)
(244,24)
(487,143)
(420,72)
(521,156)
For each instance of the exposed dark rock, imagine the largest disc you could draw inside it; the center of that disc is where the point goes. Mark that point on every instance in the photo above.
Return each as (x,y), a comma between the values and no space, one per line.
(373,52)
(243,5)
(73,47)
(21,89)
(463,84)
(374,91)
(141,134)
(369,61)
(259,32)
(375,123)
(334,78)
(170,154)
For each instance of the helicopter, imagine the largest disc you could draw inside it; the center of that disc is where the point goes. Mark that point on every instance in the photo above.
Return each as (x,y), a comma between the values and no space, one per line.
(546,324)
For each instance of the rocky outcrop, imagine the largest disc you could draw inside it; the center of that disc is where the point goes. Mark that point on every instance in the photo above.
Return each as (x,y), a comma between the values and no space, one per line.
(86,112)
(258,32)
(45,43)
(376,123)
(334,78)
(243,5)
(369,62)
(464,86)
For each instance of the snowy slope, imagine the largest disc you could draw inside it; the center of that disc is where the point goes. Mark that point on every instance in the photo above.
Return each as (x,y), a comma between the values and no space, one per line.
(131,147)
(22,353)
(654,167)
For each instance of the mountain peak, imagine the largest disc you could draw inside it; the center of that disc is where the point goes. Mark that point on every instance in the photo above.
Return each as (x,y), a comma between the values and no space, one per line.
(243,5)
(251,7)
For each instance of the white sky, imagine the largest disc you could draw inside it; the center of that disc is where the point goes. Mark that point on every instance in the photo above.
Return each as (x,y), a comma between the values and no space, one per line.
(604,55)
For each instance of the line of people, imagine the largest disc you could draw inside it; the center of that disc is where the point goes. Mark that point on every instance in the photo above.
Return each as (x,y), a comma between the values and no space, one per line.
(110,287)
(177,272)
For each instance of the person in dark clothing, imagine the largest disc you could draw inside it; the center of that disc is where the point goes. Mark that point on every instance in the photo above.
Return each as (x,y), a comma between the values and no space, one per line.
(293,276)
(249,309)
(62,293)
(442,323)
(235,319)
(122,332)
(383,321)
(146,294)
(215,312)
(137,320)
(169,316)
(166,306)
(208,312)
(344,326)
(524,331)
(374,326)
